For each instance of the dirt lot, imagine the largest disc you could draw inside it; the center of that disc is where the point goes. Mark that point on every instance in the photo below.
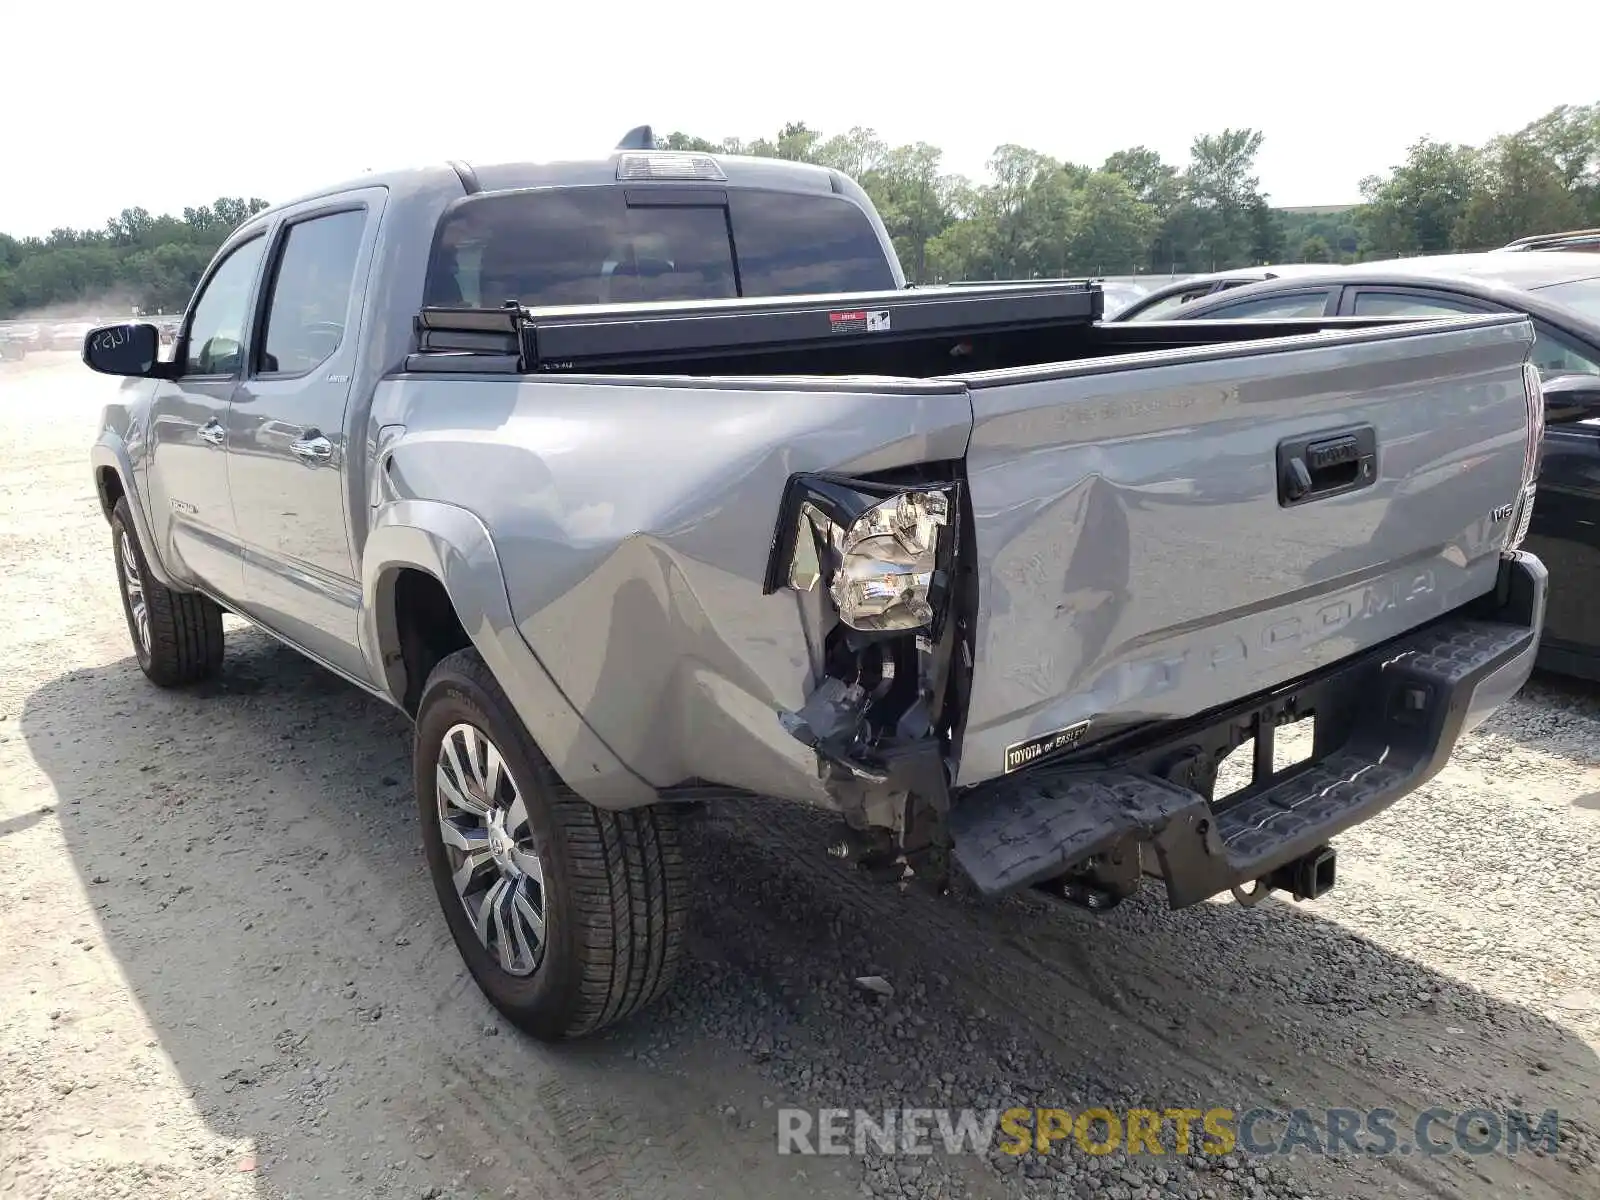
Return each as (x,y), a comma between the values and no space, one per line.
(223,972)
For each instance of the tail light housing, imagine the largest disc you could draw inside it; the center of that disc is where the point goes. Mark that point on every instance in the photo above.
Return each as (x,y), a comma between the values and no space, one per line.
(1533,451)
(881,551)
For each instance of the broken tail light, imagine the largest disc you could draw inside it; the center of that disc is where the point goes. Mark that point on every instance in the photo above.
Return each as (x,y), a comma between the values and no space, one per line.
(881,551)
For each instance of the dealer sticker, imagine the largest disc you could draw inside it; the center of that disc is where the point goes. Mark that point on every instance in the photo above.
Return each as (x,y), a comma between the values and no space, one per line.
(1020,754)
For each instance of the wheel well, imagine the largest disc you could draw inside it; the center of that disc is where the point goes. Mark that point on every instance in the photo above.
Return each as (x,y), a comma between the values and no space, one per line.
(109,484)
(428,629)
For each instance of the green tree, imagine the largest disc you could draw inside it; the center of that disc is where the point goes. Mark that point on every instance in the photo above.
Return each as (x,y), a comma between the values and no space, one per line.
(1416,208)
(1112,227)
(683,141)
(1223,193)
(915,201)
(150,261)
(1315,250)
(1522,191)
(1030,215)
(1569,136)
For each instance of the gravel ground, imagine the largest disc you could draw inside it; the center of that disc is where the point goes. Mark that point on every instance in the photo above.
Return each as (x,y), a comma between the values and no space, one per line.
(224,974)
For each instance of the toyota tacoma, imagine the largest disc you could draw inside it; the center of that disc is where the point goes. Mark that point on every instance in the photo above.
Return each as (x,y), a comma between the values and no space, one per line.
(645,481)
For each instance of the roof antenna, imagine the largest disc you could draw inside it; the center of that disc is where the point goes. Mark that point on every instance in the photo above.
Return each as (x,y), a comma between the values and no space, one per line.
(639,138)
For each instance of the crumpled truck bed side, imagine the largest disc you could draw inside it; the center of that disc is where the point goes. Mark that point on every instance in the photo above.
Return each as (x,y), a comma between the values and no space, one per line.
(633,523)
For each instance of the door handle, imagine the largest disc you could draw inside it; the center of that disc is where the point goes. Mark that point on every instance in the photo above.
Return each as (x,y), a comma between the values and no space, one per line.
(1327,464)
(212,432)
(312,449)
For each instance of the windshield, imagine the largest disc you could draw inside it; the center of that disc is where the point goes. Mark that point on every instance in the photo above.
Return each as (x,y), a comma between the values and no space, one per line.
(1582,295)
(614,245)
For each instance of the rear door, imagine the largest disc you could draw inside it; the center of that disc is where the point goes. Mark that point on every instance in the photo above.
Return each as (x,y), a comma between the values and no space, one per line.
(1139,558)
(287,440)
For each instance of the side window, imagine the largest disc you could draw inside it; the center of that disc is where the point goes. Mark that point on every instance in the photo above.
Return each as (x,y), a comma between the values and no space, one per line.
(1404,304)
(216,333)
(1296,304)
(1554,353)
(310,292)
(1167,305)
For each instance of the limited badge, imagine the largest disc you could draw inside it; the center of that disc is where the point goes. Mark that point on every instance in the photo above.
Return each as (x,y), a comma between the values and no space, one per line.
(1020,754)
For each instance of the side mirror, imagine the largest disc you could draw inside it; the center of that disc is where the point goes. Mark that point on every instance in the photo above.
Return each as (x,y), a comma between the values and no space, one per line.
(122,349)
(1569,398)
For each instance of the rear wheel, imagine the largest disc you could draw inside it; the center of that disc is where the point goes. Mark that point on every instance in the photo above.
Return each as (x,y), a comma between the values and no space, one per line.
(569,917)
(176,635)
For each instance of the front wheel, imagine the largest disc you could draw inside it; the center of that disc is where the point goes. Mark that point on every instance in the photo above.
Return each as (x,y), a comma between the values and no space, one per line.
(568,916)
(176,635)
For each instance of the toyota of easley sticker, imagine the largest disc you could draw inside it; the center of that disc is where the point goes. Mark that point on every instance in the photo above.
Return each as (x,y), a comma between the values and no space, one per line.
(861,320)
(1020,754)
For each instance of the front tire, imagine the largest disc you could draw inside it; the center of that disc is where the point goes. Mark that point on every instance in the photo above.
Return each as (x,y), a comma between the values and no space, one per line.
(569,917)
(176,635)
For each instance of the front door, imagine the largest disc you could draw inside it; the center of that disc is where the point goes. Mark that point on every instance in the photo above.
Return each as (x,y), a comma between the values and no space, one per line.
(286,433)
(191,512)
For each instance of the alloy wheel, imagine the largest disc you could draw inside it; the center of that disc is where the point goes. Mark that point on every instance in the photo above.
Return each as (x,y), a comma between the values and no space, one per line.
(133,588)
(483,821)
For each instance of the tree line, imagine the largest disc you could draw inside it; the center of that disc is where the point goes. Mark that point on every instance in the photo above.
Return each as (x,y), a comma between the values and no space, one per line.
(1031,215)
(137,259)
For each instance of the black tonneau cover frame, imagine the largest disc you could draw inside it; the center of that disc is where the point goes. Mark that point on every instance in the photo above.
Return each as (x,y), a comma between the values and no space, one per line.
(515,339)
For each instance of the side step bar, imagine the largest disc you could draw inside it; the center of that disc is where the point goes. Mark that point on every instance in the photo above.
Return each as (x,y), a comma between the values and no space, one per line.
(1387,722)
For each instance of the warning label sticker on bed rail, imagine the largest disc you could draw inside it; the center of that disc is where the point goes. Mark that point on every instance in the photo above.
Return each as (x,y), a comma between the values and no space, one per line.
(862,320)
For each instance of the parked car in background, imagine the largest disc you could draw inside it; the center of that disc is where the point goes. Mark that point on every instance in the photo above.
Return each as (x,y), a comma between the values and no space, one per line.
(69,335)
(1573,239)
(1160,304)
(30,334)
(1560,291)
(12,347)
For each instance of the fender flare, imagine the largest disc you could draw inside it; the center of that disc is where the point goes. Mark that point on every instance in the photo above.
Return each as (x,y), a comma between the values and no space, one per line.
(452,545)
(110,452)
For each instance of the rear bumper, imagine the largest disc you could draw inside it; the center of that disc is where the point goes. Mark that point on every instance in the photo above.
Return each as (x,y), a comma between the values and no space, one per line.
(1386,721)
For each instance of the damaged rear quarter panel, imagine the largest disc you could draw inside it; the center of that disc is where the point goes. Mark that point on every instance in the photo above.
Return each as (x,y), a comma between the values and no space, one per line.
(633,519)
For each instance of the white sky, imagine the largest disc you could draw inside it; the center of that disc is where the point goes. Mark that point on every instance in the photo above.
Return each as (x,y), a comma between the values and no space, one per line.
(177,102)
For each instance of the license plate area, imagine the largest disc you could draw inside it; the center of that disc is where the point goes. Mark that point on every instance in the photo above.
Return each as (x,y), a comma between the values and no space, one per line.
(1270,752)
(1229,754)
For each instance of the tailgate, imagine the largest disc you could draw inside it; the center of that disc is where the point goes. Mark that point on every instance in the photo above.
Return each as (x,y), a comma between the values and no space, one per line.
(1139,557)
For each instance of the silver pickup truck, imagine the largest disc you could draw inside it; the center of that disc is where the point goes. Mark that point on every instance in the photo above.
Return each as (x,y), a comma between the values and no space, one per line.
(646,480)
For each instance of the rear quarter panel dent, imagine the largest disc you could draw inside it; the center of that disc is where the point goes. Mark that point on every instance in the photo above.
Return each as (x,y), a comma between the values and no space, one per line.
(633,524)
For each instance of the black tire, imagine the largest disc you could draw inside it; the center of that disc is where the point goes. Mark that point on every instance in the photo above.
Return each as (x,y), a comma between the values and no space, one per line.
(185,643)
(615,887)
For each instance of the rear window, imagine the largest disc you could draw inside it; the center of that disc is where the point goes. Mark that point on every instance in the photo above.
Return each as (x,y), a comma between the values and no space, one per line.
(790,245)
(592,246)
